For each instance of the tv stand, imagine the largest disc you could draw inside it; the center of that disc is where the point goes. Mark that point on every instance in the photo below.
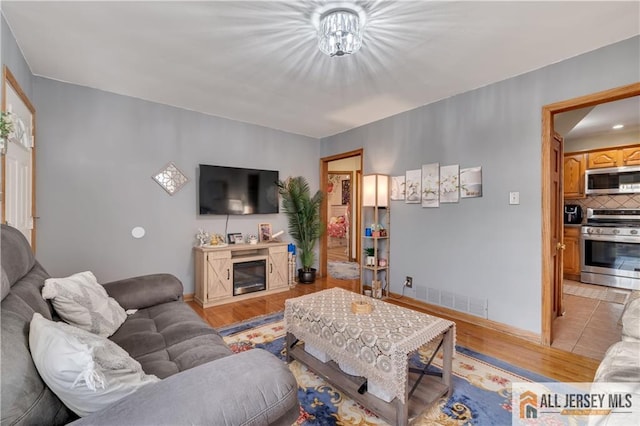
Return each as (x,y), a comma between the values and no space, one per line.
(217,269)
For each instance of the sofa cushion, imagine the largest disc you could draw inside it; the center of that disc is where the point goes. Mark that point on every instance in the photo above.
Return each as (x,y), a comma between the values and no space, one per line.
(631,318)
(621,363)
(86,371)
(17,261)
(169,338)
(82,302)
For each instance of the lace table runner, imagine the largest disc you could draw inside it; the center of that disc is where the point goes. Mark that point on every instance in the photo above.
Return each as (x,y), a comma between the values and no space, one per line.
(375,345)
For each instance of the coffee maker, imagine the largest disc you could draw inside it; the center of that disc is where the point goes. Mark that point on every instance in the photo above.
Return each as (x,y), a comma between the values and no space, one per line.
(572,214)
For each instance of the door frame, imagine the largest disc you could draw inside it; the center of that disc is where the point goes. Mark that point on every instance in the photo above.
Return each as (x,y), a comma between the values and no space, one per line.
(324,176)
(8,78)
(548,112)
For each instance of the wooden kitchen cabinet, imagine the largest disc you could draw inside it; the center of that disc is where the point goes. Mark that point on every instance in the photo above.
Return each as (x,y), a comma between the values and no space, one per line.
(215,266)
(605,158)
(571,259)
(574,167)
(631,156)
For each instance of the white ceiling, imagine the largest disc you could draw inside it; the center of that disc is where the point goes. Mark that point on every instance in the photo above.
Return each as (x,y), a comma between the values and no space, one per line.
(257,62)
(601,118)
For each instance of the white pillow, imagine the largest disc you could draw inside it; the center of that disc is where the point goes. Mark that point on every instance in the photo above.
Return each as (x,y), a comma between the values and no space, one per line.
(81,301)
(87,372)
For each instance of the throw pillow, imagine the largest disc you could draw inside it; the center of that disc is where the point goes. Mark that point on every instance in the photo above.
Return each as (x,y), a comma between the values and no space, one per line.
(87,372)
(81,301)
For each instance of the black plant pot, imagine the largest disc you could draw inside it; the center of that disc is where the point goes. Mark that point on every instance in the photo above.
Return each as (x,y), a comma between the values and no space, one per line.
(306,276)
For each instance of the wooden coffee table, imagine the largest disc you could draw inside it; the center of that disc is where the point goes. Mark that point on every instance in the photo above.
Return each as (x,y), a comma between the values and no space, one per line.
(374,346)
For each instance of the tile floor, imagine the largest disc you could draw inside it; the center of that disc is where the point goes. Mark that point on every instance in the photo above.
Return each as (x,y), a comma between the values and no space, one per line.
(589,325)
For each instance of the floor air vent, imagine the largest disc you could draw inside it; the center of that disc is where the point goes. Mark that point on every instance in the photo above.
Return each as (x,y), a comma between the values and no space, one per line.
(458,302)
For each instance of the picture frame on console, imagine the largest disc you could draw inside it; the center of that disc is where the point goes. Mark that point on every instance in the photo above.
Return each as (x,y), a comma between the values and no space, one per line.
(234,238)
(264,232)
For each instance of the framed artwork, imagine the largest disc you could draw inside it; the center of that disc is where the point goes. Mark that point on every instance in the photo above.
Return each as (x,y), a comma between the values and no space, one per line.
(346,192)
(413,186)
(235,238)
(450,184)
(264,232)
(431,185)
(170,178)
(471,182)
(397,187)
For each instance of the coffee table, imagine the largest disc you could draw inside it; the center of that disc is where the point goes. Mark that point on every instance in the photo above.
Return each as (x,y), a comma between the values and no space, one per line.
(373,347)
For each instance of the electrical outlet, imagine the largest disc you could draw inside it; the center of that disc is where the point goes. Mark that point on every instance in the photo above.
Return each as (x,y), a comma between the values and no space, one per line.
(409,282)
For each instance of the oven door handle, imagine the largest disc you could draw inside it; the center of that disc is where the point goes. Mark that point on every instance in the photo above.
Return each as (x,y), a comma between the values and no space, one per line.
(611,238)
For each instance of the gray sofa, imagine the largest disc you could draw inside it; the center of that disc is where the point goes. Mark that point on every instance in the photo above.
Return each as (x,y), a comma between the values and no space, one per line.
(203,383)
(621,362)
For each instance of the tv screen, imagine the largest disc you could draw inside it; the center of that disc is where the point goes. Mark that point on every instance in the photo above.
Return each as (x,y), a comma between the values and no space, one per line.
(233,190)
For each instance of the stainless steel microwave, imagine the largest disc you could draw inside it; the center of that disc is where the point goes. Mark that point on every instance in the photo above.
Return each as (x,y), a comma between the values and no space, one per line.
(613,180)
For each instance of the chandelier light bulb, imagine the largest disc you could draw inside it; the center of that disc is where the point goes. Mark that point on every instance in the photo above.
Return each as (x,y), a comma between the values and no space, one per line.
(339,32)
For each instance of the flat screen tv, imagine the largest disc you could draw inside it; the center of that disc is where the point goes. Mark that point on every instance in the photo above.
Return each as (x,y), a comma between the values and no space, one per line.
(233,190)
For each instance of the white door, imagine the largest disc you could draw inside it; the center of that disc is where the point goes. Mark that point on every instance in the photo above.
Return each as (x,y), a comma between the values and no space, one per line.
(18,163)
(19,188)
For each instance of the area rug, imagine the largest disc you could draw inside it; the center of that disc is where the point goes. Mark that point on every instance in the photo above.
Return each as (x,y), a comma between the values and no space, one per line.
(481,384)
(344,270)
(606,294)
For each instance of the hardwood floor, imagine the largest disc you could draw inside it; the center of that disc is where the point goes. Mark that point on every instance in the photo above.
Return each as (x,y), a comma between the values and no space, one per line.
(554,363)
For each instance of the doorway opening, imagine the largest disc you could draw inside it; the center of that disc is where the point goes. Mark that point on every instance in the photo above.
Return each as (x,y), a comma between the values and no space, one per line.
(553,200)
(340,177)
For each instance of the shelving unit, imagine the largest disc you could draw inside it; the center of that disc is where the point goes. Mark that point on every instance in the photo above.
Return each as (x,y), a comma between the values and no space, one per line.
(376,213)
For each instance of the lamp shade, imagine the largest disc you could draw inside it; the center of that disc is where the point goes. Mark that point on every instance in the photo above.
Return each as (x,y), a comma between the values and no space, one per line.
(375,190)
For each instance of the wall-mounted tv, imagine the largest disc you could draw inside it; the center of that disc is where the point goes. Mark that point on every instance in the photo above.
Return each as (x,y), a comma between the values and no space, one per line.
(233,190)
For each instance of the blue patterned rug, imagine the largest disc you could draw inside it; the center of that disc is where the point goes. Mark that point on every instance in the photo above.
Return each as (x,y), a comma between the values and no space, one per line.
(481,384)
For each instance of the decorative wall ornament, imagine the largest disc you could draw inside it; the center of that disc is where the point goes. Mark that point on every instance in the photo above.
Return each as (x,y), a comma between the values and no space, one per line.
(450,184)
(170,178)
(431,185)
(412,185)
(397,187)
(346,192)
(471,182)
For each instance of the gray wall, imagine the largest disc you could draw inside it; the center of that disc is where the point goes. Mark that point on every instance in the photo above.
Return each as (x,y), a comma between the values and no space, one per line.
(482,247)
(97,153)
(13,59)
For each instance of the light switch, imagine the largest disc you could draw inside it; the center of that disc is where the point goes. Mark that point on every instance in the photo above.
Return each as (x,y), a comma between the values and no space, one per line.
(514,197)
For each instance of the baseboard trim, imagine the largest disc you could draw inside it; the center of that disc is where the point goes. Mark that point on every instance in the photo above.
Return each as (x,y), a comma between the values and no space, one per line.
(461,316)
(188,297)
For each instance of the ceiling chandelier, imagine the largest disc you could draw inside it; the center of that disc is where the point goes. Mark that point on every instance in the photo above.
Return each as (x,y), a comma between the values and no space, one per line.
(340,32)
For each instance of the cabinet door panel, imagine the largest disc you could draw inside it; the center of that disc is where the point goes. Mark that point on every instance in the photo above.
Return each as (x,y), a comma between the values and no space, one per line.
(219,282)
(631,156)
(574,167)
(278,267)
(571,258)
(600,159)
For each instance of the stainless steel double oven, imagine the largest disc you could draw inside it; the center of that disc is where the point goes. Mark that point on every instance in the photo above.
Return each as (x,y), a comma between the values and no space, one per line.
(611,248)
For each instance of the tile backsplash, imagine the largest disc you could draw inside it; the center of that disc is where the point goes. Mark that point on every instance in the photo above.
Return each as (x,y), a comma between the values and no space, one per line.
(621,201)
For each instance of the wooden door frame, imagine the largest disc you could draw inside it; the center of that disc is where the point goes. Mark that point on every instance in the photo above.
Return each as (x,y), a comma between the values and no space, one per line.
(8,77)
(548,112)
(324,175)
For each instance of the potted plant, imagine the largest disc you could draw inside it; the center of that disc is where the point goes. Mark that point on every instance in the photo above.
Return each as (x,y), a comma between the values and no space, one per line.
(370,252)
(303,212)
(6,127)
